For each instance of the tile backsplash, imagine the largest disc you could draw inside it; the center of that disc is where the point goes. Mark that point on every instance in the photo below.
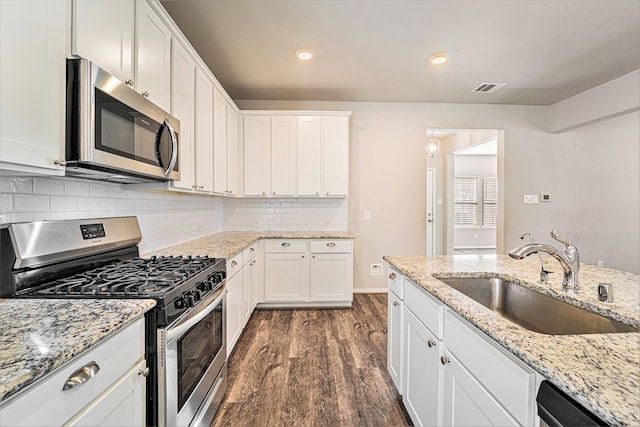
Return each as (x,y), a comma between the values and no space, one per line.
(166,218)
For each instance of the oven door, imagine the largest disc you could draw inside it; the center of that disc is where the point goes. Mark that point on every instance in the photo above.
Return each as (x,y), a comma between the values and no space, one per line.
(191,362)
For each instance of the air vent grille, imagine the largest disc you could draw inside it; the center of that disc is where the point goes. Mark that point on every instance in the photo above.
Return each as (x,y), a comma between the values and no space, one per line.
(488,87)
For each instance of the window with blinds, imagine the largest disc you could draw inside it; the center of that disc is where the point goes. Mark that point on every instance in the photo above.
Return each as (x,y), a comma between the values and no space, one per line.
(475,201)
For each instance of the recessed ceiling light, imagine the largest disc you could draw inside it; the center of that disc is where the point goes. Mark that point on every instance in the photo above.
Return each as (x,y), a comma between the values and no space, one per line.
(439,58)
(304,54)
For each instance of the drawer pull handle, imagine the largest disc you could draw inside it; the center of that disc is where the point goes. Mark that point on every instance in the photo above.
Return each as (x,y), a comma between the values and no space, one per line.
(392,276)
(144,372)
(444,360)
(81,376)
(286,244)
(396,303)
(431,343)
(331,244)
(234,263)
(251,249)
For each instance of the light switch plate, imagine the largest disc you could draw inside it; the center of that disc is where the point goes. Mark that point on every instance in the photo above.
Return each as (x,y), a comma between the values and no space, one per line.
(530,198)
(367,216)
(376,270)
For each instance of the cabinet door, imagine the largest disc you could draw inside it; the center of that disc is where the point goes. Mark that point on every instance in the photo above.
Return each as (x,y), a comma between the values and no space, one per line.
(219,142)
(335,156)
(331,277)
(422,373)
(232,150)
(123,404)
(32,84)
(183,77)
(257,156)
(283,155)
(309,162)
(153,56)
(235,311)
(286,277)
(247,292)
(395,340)
(204,131)
(467,403)
(102,31)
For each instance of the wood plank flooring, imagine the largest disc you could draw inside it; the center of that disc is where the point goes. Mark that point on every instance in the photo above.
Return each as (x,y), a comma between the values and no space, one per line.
(313,367)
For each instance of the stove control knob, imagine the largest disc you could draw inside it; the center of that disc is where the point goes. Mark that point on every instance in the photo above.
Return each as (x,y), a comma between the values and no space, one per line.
(190,300)
(197,294)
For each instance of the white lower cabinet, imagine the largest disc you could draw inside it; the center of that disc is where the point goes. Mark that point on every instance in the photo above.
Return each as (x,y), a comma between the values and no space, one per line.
(423,373)
(235,311)
(452,373)
(113,396)
(308,272)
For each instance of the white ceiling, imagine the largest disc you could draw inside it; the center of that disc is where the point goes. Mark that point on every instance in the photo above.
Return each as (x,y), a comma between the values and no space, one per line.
(378,50)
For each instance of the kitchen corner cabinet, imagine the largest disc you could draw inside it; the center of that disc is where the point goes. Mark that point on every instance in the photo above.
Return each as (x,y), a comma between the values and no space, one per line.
(453,374)
(301,272)
(115,395)
(32,85)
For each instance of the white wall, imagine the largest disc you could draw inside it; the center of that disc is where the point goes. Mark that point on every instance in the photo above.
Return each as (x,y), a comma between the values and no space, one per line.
(165,218)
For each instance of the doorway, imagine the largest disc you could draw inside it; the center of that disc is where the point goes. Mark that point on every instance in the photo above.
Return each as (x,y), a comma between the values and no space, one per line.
(464,201)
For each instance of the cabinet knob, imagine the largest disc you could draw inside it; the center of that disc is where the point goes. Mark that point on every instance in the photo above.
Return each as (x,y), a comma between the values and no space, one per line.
(285,244)
(274,193)
(145,94)
(129,82)
(60,162)
(431,343)
(396,303)
(392,276)
(327,193)
(144,372)
(81,376)
(331,244)
(201,187)
(264,194)
(233,263)
(444,360)
(195,187)
(317,194)
(251,249)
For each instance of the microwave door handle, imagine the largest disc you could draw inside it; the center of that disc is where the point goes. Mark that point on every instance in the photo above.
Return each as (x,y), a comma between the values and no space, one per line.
(174,147)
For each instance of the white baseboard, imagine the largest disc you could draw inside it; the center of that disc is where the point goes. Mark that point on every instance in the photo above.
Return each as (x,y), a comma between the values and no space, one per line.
(370,290)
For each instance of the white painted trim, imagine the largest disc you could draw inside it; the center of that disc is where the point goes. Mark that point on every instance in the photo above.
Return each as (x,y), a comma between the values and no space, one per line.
(370,290)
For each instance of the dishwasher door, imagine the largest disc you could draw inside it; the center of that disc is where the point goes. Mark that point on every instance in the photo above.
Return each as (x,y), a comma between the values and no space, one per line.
(556,409)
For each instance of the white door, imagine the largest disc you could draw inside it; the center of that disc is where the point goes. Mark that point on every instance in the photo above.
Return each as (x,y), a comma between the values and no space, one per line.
(431,211)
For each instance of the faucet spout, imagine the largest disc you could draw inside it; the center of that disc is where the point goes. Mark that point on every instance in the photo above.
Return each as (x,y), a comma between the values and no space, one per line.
(569,260)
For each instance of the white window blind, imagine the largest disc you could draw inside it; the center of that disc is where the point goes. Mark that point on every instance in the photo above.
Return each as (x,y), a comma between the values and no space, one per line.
(465,209)
(489,201)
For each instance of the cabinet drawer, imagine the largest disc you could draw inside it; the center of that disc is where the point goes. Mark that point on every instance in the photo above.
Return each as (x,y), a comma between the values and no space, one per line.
(427,308)
(234,264)
(280,246)
(249,253)
(330,246)
(510,381)
(395,281)
(45,403)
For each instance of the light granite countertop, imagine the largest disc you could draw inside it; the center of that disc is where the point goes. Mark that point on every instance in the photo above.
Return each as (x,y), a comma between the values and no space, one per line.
(601,371)
(229,243)
(40,335)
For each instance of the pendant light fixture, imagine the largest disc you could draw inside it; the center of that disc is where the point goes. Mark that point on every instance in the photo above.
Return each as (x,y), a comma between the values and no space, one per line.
(433,146)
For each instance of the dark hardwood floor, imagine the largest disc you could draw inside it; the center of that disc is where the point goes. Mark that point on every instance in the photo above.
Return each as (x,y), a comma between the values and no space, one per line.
(313,367)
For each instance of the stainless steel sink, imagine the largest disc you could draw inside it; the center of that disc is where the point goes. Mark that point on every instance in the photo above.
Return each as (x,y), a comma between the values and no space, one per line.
(533,310)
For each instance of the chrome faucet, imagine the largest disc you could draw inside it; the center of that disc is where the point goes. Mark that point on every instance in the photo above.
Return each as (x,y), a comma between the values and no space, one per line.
(569,259)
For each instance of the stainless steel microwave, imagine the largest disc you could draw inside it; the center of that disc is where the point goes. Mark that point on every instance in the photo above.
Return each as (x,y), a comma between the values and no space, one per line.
(113,133)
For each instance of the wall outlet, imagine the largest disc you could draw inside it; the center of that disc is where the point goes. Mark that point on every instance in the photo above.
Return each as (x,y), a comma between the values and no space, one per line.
(600,263)
(366,216)
(530,198)
(376,270)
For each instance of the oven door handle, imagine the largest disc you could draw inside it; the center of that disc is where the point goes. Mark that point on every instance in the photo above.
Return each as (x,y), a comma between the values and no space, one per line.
(181,328)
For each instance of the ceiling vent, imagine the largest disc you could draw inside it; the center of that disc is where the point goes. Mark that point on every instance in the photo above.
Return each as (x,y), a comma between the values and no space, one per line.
(488,87)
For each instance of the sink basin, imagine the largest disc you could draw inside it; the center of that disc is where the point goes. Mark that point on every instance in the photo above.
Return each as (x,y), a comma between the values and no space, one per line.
(533,310)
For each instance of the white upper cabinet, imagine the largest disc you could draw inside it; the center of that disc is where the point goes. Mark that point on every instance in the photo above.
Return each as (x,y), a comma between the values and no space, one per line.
(309,171)
(103,31)
(232,150)
(257,155)
(204,131)
(283,155)
(153,56)
(335,156)
(219,142)
(32,85)
(183,80)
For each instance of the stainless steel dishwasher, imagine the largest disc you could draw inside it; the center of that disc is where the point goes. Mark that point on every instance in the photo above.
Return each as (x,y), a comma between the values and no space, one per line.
(556,409)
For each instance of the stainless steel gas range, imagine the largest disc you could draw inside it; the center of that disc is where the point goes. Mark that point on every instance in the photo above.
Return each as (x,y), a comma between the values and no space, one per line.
(99,258)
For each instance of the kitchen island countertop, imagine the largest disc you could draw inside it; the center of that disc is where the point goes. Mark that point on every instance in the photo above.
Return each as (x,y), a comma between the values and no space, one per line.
(229,243)
(600,371)
(40,335)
